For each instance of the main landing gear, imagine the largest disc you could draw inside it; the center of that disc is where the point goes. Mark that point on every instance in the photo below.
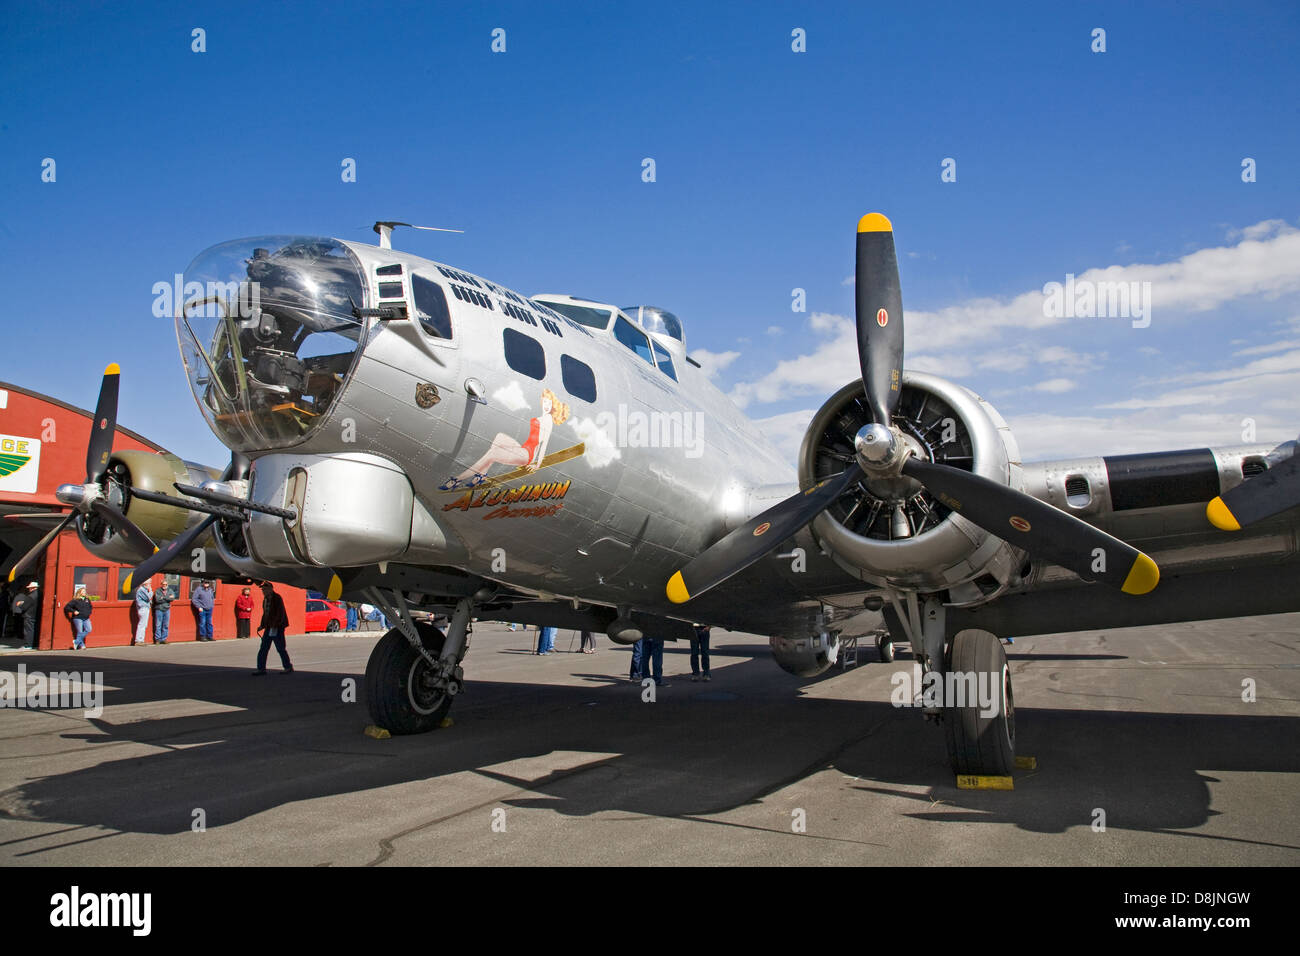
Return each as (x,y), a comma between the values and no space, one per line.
(969,685)
(414,672)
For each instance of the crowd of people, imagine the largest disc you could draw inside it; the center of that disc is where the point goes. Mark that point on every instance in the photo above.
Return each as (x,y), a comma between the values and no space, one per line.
(149,603)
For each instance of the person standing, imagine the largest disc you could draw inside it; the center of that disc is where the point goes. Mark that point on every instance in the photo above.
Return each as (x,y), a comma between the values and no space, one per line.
(143,595)
(652,660)
(27,605)
(352,616)
(243,613)
(637,671)
(78,611)
(274,620)
(700,653)
(545,640)
(201,599)
(162,613)
(588,645)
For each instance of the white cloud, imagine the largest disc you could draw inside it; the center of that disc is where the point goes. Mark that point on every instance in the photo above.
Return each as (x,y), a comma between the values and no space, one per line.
(774,330)
(1262,263)
(786,431)
(711,363)
(1056,386)
(1271,347)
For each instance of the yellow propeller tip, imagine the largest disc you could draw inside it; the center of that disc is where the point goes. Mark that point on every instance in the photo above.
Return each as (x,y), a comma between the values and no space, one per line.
(113,369)
(875,222)
(126,582)
(1142,577)
(335,589)
(1221,517)
(677,592)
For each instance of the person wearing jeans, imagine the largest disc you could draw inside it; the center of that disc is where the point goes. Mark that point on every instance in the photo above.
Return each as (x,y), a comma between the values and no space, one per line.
(143,595)
(78,610)
(162,613)
(545,640)
(274,620)
(202,600)
(700,653)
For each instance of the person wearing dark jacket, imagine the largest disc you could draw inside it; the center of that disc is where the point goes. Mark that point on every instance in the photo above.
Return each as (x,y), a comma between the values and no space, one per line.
(274,621)
(27,605)
(162,613)
(78,612)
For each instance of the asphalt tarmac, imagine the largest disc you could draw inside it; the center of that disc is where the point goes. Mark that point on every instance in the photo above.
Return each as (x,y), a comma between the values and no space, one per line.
(559,760)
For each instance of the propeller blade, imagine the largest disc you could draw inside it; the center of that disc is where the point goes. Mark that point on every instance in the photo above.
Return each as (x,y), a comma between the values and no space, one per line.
(1261,497)
(164,556)
(756,537)
(879,316)
(140,542)
(1038,528)
(27,559)
(100,445)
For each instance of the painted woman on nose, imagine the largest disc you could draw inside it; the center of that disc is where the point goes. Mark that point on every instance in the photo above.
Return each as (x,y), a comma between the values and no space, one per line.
(506,450)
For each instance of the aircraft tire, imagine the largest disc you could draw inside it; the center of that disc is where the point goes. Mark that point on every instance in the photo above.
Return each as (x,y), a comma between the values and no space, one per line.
(980,744)
(393,689)
(885,646)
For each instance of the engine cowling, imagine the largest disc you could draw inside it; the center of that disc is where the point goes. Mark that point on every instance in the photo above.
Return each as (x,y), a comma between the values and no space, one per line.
(150,471)
(894,533)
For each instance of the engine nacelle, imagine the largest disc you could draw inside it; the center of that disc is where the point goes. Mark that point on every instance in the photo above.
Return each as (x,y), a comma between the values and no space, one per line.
(148,471)
(892,532)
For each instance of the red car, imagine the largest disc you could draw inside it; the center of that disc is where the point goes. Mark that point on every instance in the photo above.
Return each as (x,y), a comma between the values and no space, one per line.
(326,615)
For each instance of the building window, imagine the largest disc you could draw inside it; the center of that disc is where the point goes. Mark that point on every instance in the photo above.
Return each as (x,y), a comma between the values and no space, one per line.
(579,379)
(94,580)
(431,307)
(525,354)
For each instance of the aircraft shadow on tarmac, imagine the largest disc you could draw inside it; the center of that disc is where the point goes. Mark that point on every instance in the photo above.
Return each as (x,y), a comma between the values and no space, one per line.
(695,751)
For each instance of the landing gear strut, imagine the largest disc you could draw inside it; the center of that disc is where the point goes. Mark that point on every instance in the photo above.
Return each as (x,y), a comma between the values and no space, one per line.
(978,711)
(414,672)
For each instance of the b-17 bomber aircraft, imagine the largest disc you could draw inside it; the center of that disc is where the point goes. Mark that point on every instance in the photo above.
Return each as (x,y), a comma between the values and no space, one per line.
(412,435)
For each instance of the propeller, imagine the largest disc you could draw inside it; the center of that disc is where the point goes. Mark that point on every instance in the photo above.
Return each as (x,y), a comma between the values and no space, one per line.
(89,497)
(238,468)
(883,452)
(1261,497)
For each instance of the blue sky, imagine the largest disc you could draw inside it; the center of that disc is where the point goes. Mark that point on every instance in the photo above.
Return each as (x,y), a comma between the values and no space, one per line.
(1067,161)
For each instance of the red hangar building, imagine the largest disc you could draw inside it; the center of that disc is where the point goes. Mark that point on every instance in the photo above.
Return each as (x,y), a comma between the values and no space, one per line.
(42,445)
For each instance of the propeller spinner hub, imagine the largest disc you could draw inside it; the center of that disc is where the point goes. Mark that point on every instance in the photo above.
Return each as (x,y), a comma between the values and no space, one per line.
(77,495)
(877,446)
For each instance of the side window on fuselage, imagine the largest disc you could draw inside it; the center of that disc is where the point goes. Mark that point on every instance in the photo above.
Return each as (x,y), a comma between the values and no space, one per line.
(524,354)
(431,307)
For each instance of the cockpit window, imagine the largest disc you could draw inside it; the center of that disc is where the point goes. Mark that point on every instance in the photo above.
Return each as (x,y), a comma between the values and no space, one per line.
(431,307)
(633,338)
(664,360)
(583,314)
(269,332)
(657,320)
